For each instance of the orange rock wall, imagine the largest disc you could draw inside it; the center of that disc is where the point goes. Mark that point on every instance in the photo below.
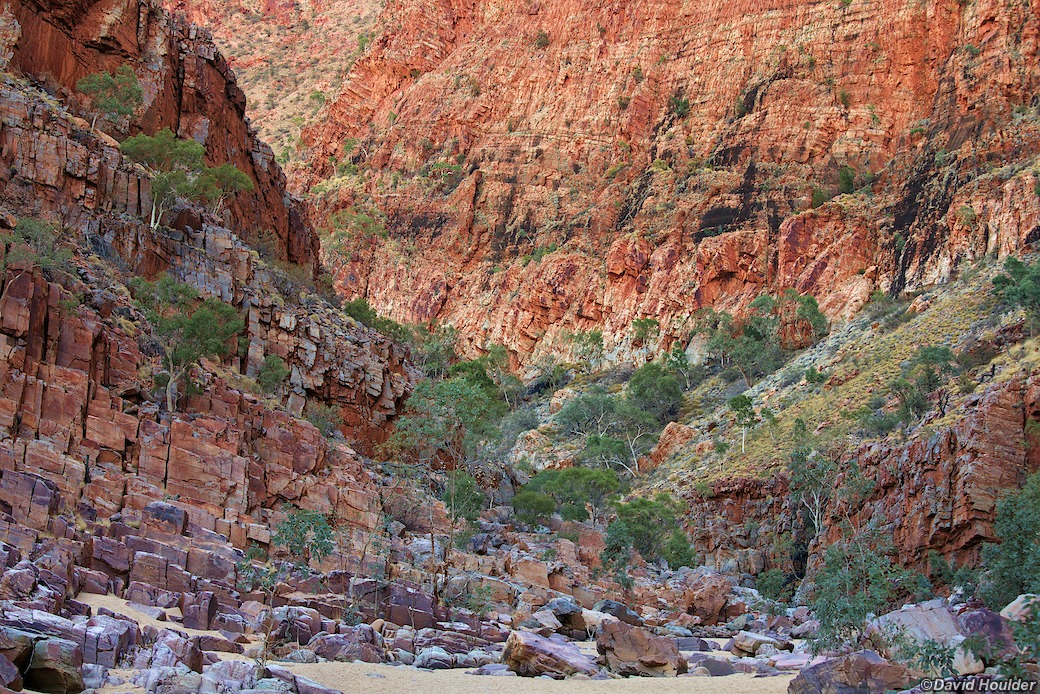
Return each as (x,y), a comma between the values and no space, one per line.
(566,122)
(188,87)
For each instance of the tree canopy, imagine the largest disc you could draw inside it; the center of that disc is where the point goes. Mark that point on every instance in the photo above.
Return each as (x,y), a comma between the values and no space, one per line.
(112,96)
(184,328)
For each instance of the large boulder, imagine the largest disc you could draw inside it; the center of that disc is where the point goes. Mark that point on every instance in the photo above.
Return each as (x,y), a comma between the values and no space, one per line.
(998,642)
(926,622)
(629,650)
(107,639)
(863,672)
(56,667)
(10,676)
(706,596)
(1021,608)
(749,643)
(618,610)
(359,643)
(530,655)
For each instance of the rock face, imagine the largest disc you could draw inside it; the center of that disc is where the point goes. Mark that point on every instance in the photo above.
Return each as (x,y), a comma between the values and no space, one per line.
(187,86)
(564,167)
(628,650)
(936,492)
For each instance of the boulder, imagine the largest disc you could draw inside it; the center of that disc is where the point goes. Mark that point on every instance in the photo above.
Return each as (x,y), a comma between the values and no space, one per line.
(706,596)
(619,611)
(297,683)
(493,670)
(930,621)
(716,667)
(360,643)
(1021,608)
(56,667)
(547,621)
(746,642)
(451,641)
(530,655)
(863,672)
(433,658)
(107,639)
(231,675)
(569,613)
(993,630)
(10,677)
(629,650)
(693,643)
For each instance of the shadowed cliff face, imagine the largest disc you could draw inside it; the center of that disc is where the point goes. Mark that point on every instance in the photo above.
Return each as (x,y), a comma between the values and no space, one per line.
(558,166)
(187,85)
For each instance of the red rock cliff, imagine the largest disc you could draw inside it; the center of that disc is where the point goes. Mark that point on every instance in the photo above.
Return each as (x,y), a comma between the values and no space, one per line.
(556,166)
(188,87)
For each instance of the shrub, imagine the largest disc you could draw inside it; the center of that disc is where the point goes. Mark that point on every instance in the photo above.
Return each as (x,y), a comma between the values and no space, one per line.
(360,310)
(679,105)
(819,196)
(678,551)
(325,418)
(462,496)
(1013,565)
(542,39)
(272,374)
(654,390)
(574,488)
(533,507)
(773,585)
(846,179)
(305,535)
(648,522)
(184,328)
(38,243)
(857,579)
(113,97)
(1020,287)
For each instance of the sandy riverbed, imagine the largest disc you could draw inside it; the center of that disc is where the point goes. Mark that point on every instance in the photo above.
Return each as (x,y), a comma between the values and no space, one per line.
(362,678)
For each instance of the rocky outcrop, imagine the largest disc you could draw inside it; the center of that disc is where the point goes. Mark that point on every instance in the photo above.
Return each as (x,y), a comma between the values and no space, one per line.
(53,168)
(562,167)
(935,492)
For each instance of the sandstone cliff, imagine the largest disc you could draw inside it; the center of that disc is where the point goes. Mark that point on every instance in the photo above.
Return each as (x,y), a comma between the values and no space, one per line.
(188,87)
(551,167)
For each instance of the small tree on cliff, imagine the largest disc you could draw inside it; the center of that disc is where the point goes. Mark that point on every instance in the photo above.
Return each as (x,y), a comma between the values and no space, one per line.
(743,410)
(305,535)
(179,172)
(184,329)
(113,97)
(811,476)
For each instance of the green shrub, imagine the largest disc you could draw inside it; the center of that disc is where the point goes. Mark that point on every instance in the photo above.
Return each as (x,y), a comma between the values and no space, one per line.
(462,496)
(773,585)
(678,551)
(533,507)
(1013,565)
(1020,287)
(542,39)
(305,535)
(325,418)
(846,179)
(112,97)
(654,390)
(272,374)
(573,488)
(648,522)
